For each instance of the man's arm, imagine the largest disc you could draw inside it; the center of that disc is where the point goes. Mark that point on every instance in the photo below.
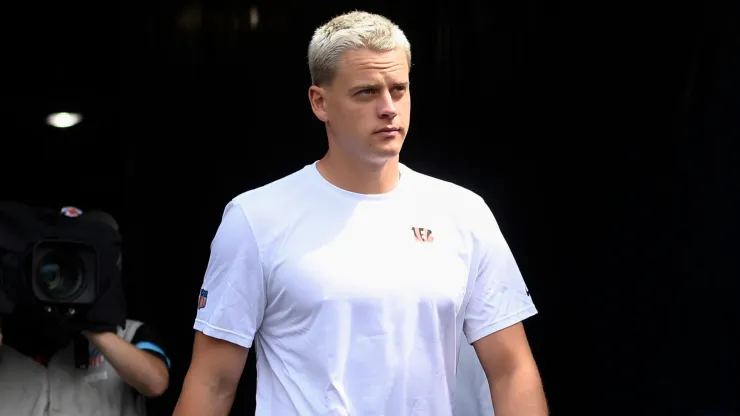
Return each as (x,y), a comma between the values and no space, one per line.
(499,302)
(212,379)
(230,310)
(141,370)
(516,388)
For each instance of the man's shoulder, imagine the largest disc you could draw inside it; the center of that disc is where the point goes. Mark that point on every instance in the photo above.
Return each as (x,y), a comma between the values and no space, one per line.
(276,187)
(445,193)
(276,200)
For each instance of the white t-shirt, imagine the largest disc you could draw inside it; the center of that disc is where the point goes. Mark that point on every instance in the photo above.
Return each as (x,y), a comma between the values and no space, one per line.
(357,303)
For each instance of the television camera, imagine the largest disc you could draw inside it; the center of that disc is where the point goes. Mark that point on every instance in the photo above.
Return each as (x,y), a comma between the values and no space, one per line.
(59,264)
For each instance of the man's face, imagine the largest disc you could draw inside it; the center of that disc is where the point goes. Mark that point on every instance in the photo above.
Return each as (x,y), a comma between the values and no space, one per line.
(367,106)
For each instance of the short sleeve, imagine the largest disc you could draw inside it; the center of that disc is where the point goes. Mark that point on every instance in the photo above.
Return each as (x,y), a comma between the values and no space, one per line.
(231,302)
(500,297)
(147,339)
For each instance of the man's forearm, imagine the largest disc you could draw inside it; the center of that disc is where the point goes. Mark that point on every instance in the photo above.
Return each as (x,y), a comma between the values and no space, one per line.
(139,369)
(519,393)
(199,398)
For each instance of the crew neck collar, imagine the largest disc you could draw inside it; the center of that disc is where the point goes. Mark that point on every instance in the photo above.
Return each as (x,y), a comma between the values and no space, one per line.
(402,169)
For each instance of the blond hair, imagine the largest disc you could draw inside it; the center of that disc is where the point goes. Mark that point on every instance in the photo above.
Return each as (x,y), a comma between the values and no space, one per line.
(350,31)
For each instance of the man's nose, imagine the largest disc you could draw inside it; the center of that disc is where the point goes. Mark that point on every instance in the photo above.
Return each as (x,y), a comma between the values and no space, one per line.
(387,107)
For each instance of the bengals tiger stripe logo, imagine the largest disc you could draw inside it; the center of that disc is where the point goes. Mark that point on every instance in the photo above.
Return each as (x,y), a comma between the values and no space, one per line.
(422,234)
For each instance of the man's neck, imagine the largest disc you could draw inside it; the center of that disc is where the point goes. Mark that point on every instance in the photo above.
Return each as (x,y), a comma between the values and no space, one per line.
(358,176)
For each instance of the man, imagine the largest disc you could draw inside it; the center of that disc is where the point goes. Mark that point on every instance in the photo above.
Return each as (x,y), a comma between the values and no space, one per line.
(356,276)
(105,366)
(472,392)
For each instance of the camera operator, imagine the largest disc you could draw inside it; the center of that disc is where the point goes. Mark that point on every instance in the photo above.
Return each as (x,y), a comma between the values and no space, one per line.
(63,361)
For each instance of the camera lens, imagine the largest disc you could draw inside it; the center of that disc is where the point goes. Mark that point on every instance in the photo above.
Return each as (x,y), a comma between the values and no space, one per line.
(60,275)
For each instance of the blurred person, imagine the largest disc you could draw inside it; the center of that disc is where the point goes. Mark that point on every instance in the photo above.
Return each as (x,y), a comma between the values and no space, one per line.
(51,364)
(356,277)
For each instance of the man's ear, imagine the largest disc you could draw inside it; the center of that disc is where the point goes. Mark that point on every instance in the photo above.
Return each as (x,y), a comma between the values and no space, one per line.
(317,97)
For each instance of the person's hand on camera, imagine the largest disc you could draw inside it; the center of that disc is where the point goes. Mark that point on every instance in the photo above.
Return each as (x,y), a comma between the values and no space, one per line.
(108,312)
(104,317)
(99,327)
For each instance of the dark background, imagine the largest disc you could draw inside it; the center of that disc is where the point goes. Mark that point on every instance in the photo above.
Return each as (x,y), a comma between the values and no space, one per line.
(600,135)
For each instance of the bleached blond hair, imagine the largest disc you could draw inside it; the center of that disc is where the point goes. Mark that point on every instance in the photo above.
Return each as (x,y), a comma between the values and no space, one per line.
(351,31)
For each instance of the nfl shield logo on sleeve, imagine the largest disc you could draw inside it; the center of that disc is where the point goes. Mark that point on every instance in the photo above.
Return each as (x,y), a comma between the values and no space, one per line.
(202,299)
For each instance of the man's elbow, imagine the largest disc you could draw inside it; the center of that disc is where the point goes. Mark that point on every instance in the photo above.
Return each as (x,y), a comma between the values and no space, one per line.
(525,372)
(207,387)
(223,387)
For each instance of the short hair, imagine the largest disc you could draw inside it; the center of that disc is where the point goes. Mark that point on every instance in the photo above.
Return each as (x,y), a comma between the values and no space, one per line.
(351,31)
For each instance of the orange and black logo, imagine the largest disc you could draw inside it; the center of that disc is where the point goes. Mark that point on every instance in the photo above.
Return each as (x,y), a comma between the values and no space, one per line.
(422,234)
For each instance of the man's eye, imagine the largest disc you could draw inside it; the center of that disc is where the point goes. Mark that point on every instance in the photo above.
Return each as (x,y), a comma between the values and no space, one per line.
(365,91)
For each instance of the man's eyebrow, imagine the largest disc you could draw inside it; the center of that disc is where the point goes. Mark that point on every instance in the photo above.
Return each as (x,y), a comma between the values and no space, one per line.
(361,87)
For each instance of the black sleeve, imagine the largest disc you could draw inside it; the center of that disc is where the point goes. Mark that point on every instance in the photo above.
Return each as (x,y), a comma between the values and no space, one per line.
(147,339)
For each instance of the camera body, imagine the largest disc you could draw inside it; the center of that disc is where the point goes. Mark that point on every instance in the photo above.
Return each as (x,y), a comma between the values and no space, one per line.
(55,263)
(64,272)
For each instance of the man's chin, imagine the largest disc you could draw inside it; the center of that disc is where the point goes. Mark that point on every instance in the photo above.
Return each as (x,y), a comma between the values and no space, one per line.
(375,153)
(382,156)
(391,148)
